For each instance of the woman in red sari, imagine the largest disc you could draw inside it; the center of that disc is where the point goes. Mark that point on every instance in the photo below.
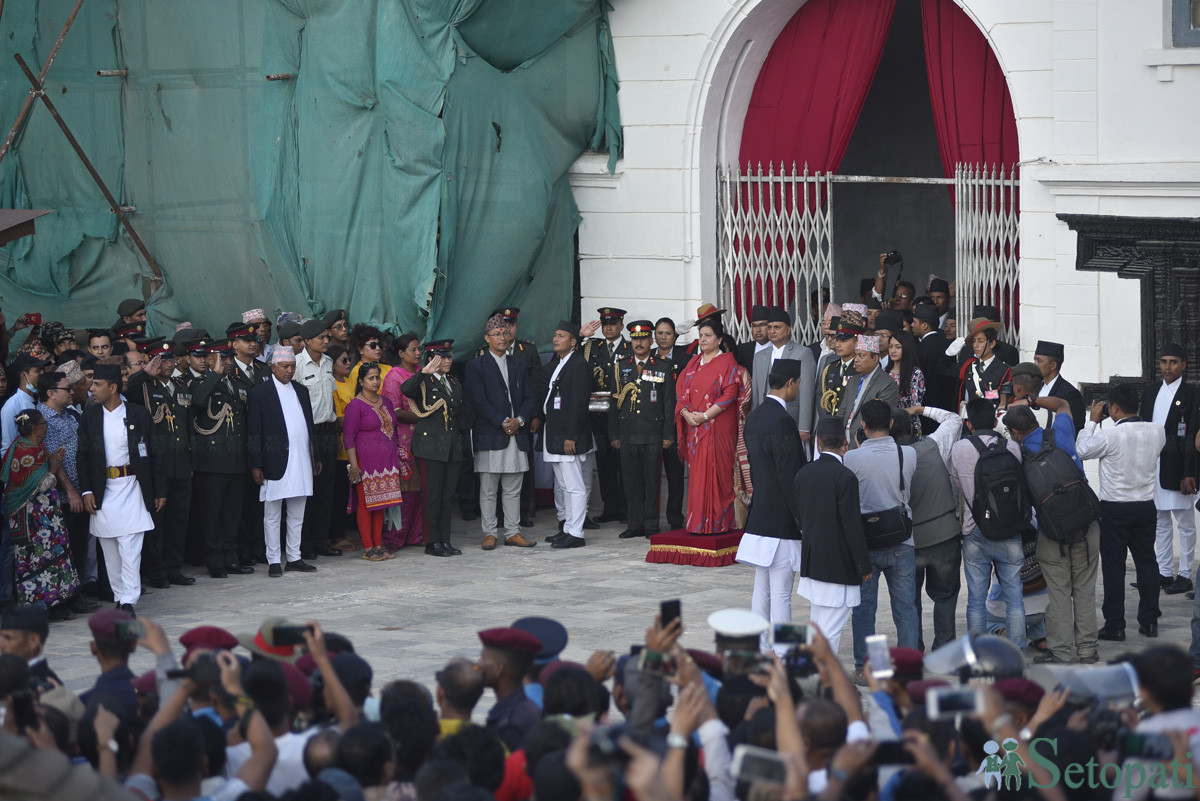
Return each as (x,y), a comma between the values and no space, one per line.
(710,395)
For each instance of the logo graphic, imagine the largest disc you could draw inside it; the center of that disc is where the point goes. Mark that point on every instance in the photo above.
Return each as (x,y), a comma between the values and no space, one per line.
(1006,768)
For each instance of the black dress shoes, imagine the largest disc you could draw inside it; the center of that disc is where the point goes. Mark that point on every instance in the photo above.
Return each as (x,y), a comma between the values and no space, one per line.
(1178,586)
(1148,630)
(239,570)
(556,537)
(629,534)
(219,572)
(451,550)
(590,524)
(127,609)
(82,606)
(328,550)
(181,580)
(275,571)
(309,554)
(159,584)
(1113,635)
(300,566)
(569,542)
(436,549)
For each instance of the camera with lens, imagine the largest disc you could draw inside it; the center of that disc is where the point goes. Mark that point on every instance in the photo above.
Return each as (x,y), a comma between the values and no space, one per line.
(892,257)
(799,662)
(204,670)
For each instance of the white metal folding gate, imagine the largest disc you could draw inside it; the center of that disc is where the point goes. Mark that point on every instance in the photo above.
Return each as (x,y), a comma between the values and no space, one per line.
(775,241)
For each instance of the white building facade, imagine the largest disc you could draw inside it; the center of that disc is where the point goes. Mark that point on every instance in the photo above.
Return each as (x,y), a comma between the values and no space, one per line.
(1105,96)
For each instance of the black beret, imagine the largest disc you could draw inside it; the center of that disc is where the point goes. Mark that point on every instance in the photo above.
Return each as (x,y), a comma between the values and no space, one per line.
(311,329)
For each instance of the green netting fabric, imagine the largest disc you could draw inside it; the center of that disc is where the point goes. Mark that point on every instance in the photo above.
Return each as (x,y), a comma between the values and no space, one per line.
(412,171)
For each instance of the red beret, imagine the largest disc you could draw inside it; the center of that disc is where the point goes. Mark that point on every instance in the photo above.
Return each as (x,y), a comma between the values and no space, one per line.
(213,638)
(104,623)
(917,689)
(146,684)
(907,661)
(1020,691)
(521,642)
(298,687)
(551,668)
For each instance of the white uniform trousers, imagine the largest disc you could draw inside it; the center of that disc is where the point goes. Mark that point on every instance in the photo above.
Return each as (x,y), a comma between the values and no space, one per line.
(123,560)
(1164,541)
(830,620)
(272,512)
(773,593)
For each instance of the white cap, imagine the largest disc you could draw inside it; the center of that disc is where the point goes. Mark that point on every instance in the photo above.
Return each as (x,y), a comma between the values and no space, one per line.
(737,623)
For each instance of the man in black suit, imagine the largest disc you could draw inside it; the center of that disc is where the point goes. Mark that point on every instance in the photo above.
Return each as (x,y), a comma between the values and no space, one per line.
(247,373)
(641,425)
(120,484)
(567,433)
(23,633)
(1048,356)
(279,445)
(665,336)
(745,352)
(834,561)
(498,388)
(1170,403)
(771,538)
(940,370)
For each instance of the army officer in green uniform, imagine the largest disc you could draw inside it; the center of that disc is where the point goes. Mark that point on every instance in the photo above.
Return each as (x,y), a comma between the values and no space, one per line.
(219,445)
(641,425)
(169,404)
(437,439)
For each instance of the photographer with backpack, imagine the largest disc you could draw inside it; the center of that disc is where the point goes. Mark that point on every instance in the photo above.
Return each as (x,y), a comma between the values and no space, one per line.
(986,469)
(1068,511)
(1128,453)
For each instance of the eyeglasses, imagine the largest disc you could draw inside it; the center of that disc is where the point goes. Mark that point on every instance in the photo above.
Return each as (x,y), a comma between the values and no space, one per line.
(374,343)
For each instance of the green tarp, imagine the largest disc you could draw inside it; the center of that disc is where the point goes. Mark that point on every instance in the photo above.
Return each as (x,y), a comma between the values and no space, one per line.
(413,170)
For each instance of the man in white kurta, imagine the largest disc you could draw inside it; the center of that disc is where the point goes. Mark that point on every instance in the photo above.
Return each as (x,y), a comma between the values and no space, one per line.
(122,519)
(296,484)
(572,473)
(1172,505)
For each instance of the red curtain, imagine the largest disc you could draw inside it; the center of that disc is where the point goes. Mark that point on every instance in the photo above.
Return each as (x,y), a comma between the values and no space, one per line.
(811,88)
(972,109)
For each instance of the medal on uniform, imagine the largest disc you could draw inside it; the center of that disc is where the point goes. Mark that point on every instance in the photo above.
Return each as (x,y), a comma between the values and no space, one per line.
(558,402)
(654,396)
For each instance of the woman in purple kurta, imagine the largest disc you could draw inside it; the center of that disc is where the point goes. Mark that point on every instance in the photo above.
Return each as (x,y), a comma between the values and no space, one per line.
(369,434)
(407,528)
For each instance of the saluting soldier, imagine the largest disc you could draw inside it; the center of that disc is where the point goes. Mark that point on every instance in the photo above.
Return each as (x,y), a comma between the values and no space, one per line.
(836,370)
(219,445)
(190,366)
(524,350)
(641,425)
(169,405)
(246,374)
(437,439)
(600,356)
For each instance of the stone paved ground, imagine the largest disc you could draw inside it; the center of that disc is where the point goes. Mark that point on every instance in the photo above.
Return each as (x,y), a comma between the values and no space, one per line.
(409,615)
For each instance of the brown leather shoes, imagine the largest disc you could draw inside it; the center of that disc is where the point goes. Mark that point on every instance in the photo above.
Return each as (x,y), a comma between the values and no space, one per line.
(489,543)
(519,541)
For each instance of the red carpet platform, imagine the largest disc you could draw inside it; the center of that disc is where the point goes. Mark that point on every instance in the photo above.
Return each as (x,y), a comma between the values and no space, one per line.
(680,548)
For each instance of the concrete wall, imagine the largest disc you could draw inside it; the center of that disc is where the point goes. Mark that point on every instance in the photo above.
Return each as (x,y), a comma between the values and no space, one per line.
(1106,114)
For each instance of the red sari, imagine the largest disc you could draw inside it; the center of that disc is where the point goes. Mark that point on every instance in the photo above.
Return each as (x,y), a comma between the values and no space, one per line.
(710,449)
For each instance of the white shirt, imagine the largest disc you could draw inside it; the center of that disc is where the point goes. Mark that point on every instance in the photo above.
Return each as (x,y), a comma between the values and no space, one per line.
(760,551)
(762,346)
(1128,453)
(317,377)
(123,510)
(288,773)
(1166,499)
(246,369)
(1048,387)
(613,345)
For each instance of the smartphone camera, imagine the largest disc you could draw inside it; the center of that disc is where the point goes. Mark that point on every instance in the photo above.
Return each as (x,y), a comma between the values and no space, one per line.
(289,635)
(130,630)
(743,663)
(880,656)
(948,703)
(752,764)
(793,634)
(656,663)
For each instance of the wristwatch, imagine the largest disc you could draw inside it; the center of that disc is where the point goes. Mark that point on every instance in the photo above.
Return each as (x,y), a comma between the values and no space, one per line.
(521,422)
(114,746)
(675,740)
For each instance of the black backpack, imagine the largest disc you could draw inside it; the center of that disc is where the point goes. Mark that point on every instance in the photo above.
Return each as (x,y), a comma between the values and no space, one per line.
(1066,504)
(1001,506)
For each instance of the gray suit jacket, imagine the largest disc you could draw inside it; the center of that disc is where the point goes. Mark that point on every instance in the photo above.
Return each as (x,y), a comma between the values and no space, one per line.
(801,409)
(879,385)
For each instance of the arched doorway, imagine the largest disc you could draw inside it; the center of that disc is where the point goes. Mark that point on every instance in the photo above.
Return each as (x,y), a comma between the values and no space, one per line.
(892,101)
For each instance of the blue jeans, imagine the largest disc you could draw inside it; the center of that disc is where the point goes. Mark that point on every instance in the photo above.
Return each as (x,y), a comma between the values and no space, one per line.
(980,556)
(898,564)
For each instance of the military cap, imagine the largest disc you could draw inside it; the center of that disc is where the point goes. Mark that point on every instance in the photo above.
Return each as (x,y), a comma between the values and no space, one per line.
(213,638)
(1020,691)
(1027,368)
(198,346)
(244,331)
(439,347)
(917,690)
(640,328)
(611,314)
(130,307)
(737,623)
(334,316)
(551,633)
(164,350)
(287,330)
(262,642)
(510,639)
(104,623)
(907,661)
(221,347)
(129,330)
(143,344)
(509,313)
(311,329)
